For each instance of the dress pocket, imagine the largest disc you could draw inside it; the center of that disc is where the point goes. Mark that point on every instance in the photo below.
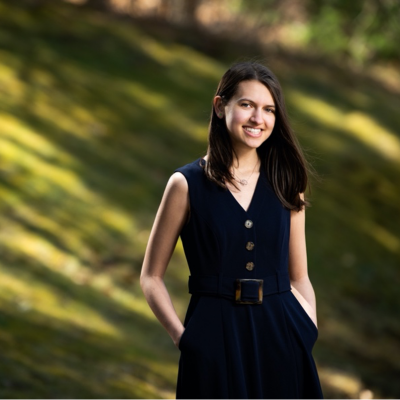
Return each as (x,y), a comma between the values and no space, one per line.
(303,311)
(190,319)
(183,338)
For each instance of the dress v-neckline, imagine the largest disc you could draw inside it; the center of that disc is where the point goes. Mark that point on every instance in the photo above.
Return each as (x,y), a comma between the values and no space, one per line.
(202,162)
(252,197)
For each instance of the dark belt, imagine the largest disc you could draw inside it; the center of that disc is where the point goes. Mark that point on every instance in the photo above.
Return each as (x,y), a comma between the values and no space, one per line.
(242,291)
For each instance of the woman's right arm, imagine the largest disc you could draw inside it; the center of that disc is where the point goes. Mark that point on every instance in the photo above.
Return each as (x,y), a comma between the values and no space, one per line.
(171,217)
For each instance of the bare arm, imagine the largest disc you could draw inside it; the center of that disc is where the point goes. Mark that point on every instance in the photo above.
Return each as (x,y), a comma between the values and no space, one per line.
(301,285)
(171,216)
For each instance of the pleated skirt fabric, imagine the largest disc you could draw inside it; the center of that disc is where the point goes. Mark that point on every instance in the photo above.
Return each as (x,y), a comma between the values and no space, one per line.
(248,351)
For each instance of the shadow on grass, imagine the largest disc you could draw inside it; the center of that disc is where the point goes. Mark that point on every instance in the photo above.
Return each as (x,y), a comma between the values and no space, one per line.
(52,359)
(130,122)
(48,357)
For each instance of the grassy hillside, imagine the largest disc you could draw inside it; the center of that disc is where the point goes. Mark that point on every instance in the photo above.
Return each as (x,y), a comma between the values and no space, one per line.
(95,115)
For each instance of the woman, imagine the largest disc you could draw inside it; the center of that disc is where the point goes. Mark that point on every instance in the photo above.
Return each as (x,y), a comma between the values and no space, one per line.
(251,323)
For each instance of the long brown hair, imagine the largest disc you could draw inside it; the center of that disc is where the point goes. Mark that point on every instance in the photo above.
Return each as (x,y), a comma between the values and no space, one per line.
(281,155)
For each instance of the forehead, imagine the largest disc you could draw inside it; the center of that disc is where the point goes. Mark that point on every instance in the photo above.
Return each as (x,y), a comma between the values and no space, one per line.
(255,91)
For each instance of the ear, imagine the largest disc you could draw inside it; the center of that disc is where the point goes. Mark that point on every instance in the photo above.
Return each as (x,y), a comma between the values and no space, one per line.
(218,106)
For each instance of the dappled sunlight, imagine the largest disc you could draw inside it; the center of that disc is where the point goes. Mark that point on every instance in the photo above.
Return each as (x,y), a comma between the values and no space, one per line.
(10,82)
(379,233)
(55,175)
(94,112)
(142,95)
(198,64)
(25,150)
(366,227)
(168,112)
(177,55)
(17,240)
(55,369)
(14,131)
(72,358)
(365,219)
(366,341)
(74,119)
(343,384)
(156,50)
(367,130)
(32,295)
(357,124)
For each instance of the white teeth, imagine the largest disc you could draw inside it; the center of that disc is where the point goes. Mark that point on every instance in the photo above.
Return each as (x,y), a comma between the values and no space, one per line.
(253,130)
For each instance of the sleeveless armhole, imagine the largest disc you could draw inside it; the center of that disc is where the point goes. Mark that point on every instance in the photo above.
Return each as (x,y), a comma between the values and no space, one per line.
(188,219)
(190,172)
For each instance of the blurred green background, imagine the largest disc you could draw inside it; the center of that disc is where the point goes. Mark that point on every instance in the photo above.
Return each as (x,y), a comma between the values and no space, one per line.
(101,100)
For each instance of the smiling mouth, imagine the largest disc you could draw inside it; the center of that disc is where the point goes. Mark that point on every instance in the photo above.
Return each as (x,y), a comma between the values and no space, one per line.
(252,131)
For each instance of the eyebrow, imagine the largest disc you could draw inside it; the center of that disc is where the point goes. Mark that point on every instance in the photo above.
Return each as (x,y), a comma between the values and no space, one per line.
(252,101)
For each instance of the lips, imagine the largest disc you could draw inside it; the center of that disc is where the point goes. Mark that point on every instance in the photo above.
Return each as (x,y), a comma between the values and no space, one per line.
(254,132)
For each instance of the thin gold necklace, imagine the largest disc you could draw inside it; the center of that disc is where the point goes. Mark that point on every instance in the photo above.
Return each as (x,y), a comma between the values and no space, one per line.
(244,182)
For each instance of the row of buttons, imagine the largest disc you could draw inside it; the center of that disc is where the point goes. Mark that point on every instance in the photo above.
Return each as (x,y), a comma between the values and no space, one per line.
(249,245)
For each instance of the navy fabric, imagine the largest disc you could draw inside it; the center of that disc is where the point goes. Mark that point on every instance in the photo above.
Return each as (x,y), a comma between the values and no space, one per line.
(231,350)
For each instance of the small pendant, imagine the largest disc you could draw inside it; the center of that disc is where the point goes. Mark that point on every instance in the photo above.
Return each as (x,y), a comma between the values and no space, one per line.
(243,182)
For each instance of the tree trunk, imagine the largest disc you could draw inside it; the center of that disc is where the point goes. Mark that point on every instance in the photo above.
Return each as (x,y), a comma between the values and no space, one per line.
(165,9)
(190,9)
(101,5)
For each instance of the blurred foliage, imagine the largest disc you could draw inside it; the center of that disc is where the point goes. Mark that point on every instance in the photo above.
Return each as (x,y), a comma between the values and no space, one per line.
(360,31)
(357,31)
(96,112)
(365,30)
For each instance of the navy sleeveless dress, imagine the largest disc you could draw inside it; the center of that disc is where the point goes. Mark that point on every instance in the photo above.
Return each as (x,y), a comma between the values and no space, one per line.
(246,334)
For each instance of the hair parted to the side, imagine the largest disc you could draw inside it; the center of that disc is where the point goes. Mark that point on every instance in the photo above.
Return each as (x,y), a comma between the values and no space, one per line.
(281,155)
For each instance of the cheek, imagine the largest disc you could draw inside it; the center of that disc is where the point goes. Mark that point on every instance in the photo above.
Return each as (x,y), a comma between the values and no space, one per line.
(236,117)
(270,120)
(229,120)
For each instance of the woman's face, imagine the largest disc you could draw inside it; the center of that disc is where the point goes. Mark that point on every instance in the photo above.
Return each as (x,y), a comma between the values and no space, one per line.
(249,114)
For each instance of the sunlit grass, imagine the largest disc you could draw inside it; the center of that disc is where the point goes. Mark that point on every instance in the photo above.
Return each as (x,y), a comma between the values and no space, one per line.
(358,124)
(32,294)
(348,385)
(15,135)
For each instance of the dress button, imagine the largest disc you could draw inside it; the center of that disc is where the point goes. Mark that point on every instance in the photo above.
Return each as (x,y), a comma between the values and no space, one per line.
(250,246)
(250,266)
(248,224)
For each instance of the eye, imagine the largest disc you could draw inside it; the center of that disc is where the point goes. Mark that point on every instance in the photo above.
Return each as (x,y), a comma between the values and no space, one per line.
(270,110)
(245,105)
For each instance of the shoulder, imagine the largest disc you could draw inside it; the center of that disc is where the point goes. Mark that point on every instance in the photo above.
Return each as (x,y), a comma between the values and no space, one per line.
(177,183)
(189,180)
(192,169)
(176,194)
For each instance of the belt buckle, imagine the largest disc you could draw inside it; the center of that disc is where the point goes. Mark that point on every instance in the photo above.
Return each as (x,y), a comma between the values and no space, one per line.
(238,291)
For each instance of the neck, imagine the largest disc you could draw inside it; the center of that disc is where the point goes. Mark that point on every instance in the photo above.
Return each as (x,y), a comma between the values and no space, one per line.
(246,160)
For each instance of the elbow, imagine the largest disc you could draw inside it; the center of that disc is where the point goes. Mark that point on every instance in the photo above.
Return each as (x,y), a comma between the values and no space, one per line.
(146,285)
(147,282)
(143,278)
(299,279)
(143,281)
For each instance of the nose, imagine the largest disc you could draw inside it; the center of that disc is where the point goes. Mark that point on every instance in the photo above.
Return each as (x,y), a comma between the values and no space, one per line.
(257,116)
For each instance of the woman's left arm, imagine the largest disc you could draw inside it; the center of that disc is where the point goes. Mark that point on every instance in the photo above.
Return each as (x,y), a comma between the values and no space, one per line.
(299,280)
